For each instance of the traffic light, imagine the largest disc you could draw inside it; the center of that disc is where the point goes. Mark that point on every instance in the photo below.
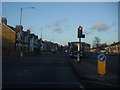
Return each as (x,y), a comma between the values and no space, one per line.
(80,32)
(83,36)
(80,28)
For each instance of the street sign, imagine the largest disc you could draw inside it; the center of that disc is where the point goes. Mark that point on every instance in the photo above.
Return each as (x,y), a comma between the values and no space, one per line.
(102,57)
(101,64)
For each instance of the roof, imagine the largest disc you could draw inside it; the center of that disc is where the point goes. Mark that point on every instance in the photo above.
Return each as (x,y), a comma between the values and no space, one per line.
(104,45)
(32,35)
(25,33)
(14,29)
(117,43)
(10,27)
(36,37)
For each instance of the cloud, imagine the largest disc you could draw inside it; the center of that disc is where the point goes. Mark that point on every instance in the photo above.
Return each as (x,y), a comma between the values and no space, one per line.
(115,30)
(66,26)
(57,25)
(114,23)
(48,26)
(101,26)
(87,33)
(58,29)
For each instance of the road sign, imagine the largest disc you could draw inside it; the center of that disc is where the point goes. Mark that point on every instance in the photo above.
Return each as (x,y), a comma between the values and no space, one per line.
(101,64)
(102,57)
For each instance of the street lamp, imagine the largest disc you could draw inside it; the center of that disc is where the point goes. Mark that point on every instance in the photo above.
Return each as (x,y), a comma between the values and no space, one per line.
(21,13)
(21,53)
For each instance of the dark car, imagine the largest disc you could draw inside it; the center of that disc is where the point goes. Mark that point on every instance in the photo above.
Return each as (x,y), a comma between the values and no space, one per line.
(82,54)
(74,53)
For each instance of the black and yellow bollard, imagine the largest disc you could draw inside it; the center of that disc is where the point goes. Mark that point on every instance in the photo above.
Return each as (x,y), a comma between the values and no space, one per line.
(101,64)
(102,67)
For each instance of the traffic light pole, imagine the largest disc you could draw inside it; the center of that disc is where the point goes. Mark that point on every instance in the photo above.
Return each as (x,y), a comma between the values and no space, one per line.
(79,49)
(80,35)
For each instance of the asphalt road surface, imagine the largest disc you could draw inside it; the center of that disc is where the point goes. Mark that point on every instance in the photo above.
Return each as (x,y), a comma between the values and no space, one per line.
(43,71)
(52,70)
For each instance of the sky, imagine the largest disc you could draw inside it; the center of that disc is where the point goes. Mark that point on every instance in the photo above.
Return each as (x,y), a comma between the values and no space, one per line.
(58,21)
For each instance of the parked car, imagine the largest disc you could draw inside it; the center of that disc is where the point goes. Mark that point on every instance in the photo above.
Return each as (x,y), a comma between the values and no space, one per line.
(82,54)
(74,54)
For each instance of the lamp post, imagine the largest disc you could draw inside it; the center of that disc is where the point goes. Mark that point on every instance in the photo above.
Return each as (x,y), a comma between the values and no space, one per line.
(21,53)
(21,13)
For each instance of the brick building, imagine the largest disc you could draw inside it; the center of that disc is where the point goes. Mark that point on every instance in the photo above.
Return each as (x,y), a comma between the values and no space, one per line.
(114,47)
(8,38)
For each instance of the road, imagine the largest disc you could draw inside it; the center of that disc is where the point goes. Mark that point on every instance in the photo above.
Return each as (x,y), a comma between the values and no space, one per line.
(47,71)
(51,70)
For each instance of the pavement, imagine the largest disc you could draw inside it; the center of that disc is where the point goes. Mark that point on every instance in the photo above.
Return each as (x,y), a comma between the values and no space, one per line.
(87,71)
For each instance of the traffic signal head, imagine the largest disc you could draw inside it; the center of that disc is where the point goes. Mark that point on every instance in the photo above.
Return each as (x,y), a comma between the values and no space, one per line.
(80,32)
(80,28)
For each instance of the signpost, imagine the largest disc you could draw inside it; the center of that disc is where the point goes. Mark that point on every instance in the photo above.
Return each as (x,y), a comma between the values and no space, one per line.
(101,64)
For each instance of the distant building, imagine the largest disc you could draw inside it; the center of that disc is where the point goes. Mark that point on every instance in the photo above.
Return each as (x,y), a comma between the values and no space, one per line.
(48,46)
(56,47)
(40,44)
(94,49)
(19,35)
(25,41)
(77,46)
(103,47)
(36,43)
(86,47)
(31,48)
(114,47)
(33,43)
(53,47)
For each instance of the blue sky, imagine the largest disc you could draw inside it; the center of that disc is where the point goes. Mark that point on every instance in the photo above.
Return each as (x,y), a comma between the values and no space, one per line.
(59,20)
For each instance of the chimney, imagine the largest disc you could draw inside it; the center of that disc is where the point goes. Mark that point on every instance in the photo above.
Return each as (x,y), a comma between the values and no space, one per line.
(4,20)
(28,30)
(19,27)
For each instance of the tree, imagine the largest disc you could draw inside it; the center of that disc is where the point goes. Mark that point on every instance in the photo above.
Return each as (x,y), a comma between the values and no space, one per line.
(96,42)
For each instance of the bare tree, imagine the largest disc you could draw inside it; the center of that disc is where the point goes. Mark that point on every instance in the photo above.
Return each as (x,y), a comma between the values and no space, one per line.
(96,42)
